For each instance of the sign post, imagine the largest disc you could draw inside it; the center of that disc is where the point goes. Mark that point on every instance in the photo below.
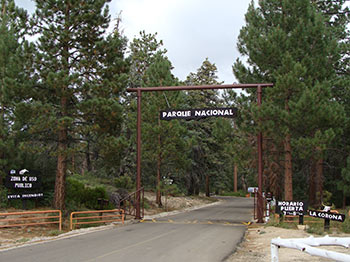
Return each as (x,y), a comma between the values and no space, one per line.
(139,91)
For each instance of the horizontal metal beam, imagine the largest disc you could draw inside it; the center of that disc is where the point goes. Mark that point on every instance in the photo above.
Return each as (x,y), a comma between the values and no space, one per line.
(202,87)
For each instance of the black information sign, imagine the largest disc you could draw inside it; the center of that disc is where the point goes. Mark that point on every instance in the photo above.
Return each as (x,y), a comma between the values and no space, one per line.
(22,180)
(327,215)
(291,208)
(193,114)
(22,183)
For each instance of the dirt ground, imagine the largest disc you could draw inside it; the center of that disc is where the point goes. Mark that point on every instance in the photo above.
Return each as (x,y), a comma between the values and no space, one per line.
(171,203)
(256,246)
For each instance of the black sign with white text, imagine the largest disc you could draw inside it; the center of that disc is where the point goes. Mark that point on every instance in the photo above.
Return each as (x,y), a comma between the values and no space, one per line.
(25,196)
(22,182)
(327,215)
(291,208)
(193,114)
(22,185)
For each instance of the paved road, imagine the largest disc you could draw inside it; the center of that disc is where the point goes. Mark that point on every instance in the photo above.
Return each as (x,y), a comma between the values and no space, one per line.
(207,234)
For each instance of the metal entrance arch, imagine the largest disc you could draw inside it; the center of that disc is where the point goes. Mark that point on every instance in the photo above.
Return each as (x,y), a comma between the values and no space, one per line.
(139,90)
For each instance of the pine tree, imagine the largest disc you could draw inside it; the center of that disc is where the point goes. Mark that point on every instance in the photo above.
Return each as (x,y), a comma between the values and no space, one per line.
(288,43)
(204,149)
(343,184)
(242,144)
(160,143)
(79,74)
(142,54)
(162,139)
(337,17)
(13,25)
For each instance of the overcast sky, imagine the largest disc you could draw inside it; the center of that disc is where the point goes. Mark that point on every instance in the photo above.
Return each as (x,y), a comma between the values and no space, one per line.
(190,29)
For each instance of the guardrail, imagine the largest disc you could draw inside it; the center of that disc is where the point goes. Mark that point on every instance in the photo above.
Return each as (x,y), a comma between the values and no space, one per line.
(76,219)
(12,222)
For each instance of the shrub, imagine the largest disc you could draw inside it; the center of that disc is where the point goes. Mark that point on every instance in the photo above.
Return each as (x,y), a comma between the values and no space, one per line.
(124,182)
(346,225)
(172,190)
(316,228)
(239,193)
(78,196)
(4,203)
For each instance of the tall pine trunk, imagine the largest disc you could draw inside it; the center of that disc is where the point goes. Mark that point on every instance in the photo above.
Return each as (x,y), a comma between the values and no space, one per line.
(159,195)
(207,189)
(319,181)
(288,173)
(312,184)
(60,182)
(235,179)
(316,182)
(159,163)
(2,113)
(59,197)
(88,157)
(2,123)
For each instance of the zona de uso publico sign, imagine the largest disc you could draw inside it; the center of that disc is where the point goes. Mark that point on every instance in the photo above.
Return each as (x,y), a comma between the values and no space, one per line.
(23,183)
(194,114)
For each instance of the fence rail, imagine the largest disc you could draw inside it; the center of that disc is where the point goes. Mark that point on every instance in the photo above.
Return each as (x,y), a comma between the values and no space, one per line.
(130,203)
(76,218)
(306,245)
(11,222)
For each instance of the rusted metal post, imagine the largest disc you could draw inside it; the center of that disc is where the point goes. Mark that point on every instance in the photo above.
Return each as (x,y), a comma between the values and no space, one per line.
(260,204)
(203,87)
(138,148)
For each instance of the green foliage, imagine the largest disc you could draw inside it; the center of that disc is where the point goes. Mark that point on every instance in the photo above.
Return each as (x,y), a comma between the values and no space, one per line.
(345,226)
(239,193)
(146,204)
(144,51)
(206,138)
(344,183)
(289,44)
(62,96)
(13,77)
(125,182)
(78,196)
(327,198)
(4,203)
(55,233)
(22,240)
(172,189)
(282,224)
(315,228)
(162,143)
(72,107)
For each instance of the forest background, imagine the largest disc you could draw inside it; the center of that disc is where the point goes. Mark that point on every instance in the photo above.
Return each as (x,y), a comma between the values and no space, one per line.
(65,113)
